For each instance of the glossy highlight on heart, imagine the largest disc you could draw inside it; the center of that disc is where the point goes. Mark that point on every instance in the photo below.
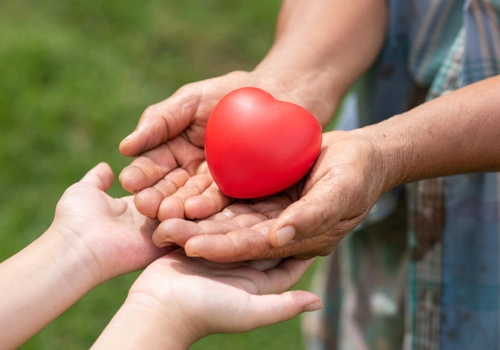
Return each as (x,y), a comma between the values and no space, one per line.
(257,146)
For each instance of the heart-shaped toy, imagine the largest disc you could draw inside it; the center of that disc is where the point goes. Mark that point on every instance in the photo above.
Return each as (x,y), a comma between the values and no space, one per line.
(257,146)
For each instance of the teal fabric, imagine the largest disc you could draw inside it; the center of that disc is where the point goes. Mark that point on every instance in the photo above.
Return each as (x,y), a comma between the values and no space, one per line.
(443,285)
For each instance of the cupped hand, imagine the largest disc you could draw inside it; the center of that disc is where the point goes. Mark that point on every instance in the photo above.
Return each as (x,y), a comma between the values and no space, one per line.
(199,297)
(307,220)
(169,143)
(109,235)
(170,168)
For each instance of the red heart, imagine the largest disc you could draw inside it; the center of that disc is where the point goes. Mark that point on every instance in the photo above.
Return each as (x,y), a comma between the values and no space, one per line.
(256,145)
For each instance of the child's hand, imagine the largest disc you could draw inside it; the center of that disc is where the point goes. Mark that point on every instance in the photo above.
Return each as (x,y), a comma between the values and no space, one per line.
(108,234)
(178,300)
(93,238)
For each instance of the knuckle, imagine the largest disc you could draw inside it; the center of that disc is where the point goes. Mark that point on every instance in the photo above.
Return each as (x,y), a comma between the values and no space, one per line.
(149,112)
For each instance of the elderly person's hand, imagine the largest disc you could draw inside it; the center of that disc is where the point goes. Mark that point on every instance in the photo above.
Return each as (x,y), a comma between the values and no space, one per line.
(439,138)
(169,143)
(308,219)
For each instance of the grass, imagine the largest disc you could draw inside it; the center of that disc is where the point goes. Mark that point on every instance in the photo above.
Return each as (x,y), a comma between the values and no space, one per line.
(75,77)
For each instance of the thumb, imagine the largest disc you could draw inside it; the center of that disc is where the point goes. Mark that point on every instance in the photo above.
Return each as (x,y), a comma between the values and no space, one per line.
(149,133)
(162,121)
(265,310)
(101,176)
(315,213)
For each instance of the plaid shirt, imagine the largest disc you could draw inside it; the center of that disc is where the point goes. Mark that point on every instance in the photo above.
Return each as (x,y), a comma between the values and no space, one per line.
(423,270)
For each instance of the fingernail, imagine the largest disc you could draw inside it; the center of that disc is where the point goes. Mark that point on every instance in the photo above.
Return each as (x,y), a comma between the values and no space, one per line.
(313,306)
(194,255)
(284,235)
(166,244)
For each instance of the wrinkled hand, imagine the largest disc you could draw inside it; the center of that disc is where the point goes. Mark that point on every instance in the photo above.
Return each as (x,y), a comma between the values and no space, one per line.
(198,298)
(169,140)
(170,172)
(307,220)
(108,234)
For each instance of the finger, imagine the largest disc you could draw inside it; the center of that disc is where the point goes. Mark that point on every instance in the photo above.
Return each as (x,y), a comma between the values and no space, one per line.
(161,122)
(265,209)
(178,231)
(317,212)
(265,310)
(263,264)
(221,223)
(175,231)
(289,272)
(284,275)
(237,245)
(172,206)
(100,176)
(211,201)
(149,168)
(253,244)
(141,173)
(149,200)
(149,133)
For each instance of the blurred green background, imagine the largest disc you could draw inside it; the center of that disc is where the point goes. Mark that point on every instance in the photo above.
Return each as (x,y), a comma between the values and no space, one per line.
(75,77)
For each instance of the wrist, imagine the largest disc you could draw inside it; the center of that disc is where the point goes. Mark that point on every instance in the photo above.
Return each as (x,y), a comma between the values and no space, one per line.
(317,55)
(48,280)
(141,323)
(72,259)
(388,154)
(313,88)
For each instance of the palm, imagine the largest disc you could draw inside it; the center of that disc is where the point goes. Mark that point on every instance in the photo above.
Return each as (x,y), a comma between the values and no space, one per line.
(239,225)
(337,194)
(169,140)
(117,238)
(196,290)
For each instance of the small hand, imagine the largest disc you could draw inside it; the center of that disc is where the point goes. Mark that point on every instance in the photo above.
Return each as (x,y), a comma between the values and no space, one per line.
(200,298)
(109,234)
(307,220)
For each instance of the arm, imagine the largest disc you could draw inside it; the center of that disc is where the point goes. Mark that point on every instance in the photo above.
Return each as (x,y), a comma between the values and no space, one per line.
(93,238)
(178,300)
(37,285)
(321,47)
(453,134)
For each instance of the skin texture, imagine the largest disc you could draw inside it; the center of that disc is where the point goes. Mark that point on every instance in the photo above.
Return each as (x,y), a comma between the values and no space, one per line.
(454,134)
(242,230)
(178,300)
(93,238)
(170,177)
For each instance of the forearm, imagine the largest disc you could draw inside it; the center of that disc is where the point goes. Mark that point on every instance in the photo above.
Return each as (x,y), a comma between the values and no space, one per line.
(36,286)
(454,134)
(322,47)
(139,325)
